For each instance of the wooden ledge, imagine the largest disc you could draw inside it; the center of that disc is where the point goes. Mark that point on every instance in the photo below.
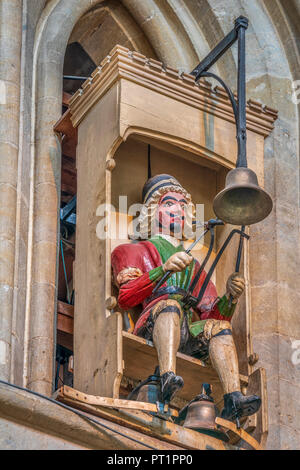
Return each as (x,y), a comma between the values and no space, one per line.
(140,360)
(108,402)
(122,412)
(241,433)
(168,433)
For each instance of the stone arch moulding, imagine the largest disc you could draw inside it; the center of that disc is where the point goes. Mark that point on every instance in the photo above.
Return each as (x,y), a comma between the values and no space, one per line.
(53,31)
(52,34)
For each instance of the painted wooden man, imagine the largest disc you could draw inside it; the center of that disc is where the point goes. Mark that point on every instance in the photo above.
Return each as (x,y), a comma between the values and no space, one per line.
(204,331)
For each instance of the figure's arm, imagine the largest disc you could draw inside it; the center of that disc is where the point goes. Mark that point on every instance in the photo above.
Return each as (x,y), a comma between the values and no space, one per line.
(135,286)
(234,288)
(134,292)
(214,306)
(224,308)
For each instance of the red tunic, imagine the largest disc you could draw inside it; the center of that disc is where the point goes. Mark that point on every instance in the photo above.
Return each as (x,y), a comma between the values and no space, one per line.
(147,261)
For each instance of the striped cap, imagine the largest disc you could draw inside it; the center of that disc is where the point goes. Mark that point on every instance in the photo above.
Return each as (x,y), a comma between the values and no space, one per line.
(158,182)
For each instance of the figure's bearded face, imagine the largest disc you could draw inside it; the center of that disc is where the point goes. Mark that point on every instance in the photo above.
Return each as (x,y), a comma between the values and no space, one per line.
(170,216)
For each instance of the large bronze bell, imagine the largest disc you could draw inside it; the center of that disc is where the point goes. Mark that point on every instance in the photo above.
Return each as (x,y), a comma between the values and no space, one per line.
(242,202)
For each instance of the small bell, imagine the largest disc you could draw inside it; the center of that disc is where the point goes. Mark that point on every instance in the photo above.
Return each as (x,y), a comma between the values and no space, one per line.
(201,411)
(243,201)
(149,393)
(200,414)
(149,390)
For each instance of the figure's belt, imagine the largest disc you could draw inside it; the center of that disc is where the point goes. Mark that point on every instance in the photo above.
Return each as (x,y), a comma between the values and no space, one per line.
(169,290)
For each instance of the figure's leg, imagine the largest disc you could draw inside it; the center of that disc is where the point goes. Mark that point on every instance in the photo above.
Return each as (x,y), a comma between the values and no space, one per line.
(166,338)
(166,334)
(223,355)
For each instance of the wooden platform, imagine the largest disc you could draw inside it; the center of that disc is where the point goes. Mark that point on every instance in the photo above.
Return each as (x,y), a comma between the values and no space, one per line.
(140,360)
(120,412)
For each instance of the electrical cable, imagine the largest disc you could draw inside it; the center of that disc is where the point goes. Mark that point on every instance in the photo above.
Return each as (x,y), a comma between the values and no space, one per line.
(82,415)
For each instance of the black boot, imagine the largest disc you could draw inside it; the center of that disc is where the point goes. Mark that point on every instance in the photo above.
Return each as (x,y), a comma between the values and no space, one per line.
(170,384)
(237,405)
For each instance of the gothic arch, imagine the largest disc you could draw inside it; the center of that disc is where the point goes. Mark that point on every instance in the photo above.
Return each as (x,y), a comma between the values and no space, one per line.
(53,31)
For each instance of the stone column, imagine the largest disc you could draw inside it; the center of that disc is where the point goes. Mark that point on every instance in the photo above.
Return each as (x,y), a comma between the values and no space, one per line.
(10,64)
(54,31)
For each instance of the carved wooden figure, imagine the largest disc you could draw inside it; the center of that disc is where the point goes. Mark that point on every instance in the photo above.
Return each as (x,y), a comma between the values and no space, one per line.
(203,331)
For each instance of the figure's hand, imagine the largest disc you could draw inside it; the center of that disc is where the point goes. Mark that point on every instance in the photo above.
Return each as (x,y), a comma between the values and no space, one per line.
(235,286)
(177,262)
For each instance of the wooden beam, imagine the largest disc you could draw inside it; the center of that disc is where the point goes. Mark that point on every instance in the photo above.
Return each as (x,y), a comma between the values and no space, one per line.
(110,402)
(68,180)
(68,189)
(68,163)
(65,324)
(65,317)
(239,432)
(65,127)
(64,339)
(66,98)
(151,426)
(258,386)
(69,134)
(69,146)
(65,309)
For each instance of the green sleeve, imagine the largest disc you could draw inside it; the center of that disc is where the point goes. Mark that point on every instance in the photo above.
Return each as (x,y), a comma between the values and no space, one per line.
(223,307)
(156,274)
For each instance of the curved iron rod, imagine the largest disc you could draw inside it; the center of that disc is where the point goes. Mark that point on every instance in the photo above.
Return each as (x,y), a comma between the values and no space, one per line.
(238,260)
(212,268)
(228,91)
(240,249)
(203,264)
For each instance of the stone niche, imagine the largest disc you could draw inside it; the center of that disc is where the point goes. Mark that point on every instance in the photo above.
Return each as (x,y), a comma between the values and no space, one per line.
(128,103)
